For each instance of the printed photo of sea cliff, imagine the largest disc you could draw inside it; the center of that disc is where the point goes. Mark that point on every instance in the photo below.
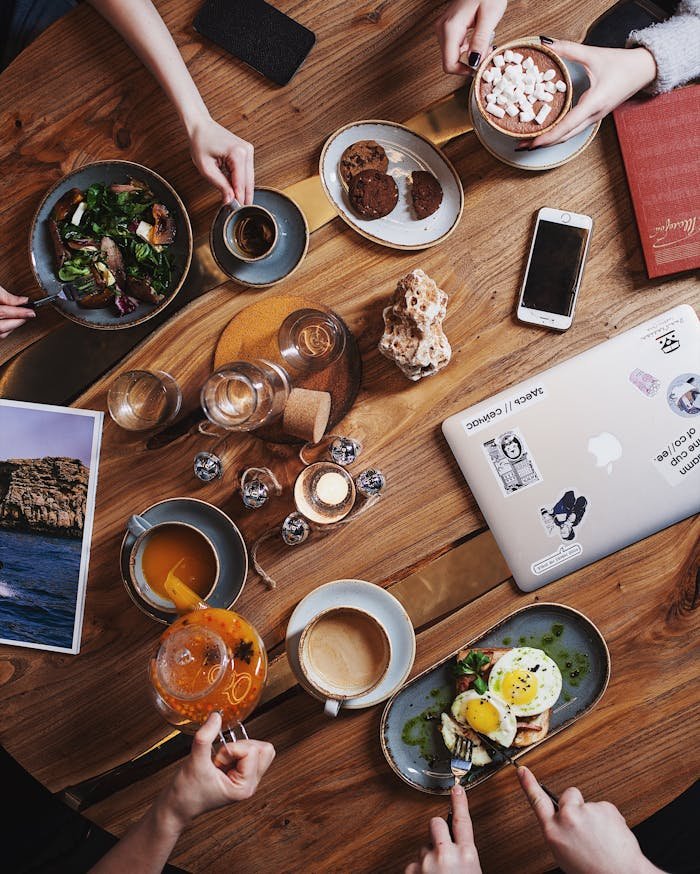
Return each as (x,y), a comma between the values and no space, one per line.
(48,467)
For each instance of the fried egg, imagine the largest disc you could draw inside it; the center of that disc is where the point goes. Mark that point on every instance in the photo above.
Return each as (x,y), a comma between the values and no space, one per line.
(527,680)
(451,730)
(486,714)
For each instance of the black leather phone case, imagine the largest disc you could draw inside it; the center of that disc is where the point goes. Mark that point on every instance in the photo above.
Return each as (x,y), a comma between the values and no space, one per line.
(258,34)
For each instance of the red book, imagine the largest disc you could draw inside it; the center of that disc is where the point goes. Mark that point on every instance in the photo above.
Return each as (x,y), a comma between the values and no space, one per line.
(660,143)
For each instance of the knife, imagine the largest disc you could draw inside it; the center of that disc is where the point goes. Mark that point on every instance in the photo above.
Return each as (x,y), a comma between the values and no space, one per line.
(504,755)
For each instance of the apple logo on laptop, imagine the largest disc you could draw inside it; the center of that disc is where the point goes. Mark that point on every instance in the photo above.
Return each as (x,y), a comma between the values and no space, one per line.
(606,448)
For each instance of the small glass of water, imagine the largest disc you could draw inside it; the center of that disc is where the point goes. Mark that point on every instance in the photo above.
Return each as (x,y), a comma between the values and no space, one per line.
(311,340)
(139,400)
(245,395)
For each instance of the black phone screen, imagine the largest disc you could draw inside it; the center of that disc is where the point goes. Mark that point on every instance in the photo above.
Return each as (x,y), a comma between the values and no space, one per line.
(555,266)
(258,34)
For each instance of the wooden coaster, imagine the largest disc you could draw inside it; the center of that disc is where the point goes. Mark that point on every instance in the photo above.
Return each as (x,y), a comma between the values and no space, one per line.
(252,333)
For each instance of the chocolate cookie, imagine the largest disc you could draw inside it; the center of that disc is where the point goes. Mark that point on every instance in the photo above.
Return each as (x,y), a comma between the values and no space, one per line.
(426,193)
(372,194)
(363,155)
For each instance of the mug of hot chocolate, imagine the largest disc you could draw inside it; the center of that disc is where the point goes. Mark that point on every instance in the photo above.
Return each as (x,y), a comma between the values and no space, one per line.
(344,653)
(523,89)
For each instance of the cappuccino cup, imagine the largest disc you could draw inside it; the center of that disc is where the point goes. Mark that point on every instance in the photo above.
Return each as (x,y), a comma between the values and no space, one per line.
(344,653)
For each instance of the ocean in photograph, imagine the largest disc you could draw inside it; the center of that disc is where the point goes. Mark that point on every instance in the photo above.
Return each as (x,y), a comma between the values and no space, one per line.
(38,587)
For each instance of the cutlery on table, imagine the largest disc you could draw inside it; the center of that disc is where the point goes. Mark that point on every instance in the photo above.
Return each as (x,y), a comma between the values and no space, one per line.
(496,749)
(460,765)
(66,293)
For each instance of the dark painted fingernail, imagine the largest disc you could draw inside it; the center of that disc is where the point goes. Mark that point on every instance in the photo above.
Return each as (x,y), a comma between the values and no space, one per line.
(522,148)
(547,40)
(473,59)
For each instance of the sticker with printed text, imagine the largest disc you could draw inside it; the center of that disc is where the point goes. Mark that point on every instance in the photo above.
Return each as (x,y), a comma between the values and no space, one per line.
(647,384)
(664,333)
(501,409)
(679,457)
(683,395)
(512,462)
(566,552)
(563,518)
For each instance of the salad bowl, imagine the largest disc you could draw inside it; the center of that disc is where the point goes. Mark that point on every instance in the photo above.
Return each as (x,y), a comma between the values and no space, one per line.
(177,252)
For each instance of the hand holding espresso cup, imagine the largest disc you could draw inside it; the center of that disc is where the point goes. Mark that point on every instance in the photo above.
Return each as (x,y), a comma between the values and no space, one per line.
(344,653)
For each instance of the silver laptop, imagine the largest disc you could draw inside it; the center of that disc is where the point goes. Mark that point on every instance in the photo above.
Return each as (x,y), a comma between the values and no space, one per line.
(596,453)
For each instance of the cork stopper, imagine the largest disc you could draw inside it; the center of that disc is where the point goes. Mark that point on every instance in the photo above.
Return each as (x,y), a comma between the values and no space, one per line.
(306,414)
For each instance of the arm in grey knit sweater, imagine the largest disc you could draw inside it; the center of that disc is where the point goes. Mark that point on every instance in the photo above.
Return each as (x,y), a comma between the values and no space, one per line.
(675,45)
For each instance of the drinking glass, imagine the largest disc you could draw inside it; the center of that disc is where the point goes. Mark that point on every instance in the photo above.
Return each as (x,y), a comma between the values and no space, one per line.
(311,339)
(245,395)
(139,400)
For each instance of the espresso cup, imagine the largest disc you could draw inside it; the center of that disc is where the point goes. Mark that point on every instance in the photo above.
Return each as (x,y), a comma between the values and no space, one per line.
(344,653)
(250,232)
(143,530)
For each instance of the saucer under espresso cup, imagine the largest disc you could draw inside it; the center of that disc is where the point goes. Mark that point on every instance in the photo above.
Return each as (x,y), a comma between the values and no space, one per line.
(344,652)
(250,232)
(191,541)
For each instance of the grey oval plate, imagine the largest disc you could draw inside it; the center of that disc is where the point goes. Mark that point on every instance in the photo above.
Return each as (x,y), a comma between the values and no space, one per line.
(227,539)
(579,635)
(289,252)
(41,252)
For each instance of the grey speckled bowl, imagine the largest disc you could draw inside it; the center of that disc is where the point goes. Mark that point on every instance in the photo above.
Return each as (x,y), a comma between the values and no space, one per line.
(41,252)
(438,684)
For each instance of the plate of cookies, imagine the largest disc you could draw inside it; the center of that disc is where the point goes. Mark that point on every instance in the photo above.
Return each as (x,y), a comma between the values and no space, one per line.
(391,185)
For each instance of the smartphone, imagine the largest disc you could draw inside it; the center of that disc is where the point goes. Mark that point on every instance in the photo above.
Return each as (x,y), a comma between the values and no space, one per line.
(554,268)
(257,34)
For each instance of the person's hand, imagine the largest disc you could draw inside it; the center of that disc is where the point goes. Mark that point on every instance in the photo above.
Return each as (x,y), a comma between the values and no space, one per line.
(467,26)
(614,74)
(223,159)
(447,856)
(585,837)
(12,313)
(204,783)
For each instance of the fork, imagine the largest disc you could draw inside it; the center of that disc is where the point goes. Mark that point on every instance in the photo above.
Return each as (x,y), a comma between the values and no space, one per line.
(461,761)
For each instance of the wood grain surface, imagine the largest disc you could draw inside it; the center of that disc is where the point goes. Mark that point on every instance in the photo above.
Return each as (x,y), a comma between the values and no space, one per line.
(79,95)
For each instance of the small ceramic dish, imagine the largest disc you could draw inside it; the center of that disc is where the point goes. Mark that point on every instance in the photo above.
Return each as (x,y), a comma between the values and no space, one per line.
(502,147)
(407,151)
(533,44)
(41,251)
(566,632)
(372,599)
(288,253)
(224,536)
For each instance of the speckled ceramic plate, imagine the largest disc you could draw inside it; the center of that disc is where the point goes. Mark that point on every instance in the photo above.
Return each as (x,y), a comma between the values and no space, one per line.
(375,600)
(227,539)
(41,253)
(436,686)
(406,151)
(502,146)
(289,251)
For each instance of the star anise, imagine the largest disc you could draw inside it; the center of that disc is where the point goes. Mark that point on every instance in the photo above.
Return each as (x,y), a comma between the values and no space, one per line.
(244,651)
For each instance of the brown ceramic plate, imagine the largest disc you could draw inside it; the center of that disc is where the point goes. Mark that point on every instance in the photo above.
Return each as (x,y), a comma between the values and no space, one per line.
(41,254)
(434,690)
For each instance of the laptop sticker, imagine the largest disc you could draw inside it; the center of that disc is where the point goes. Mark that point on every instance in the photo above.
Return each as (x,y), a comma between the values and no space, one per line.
(563,518)
(679,457)
(683,395)
(647,384)
(503,408)
(664,333)
(566,552)
(511,462)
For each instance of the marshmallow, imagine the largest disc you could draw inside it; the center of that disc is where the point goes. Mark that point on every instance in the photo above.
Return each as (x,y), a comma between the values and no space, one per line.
(495,110)
(549,75)
(508,55)
(547,97)
(560,86)
(528,63)
(540,76)
(543,113)
(531,98)
(523,104)
(499,61)
(487,75)
(512,109)
(517,58)
(549,87)
(490,97)
(513,72)
(527,116)
(501,100)
(496,77)
(528,88)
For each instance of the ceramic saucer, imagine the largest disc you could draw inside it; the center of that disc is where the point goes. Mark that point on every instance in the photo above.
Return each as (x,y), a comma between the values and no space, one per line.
(407,151)
(381,604)
(289,251)
(227,539)
(502,146)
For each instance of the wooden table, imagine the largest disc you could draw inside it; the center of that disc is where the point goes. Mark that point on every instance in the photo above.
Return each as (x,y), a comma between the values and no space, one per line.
(330,802)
